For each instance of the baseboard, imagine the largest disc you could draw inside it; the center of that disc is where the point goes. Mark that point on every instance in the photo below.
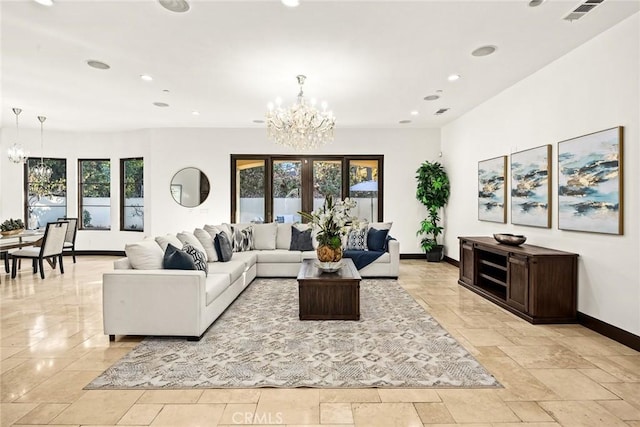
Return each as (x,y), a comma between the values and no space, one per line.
(451,261)
(413,256)
(108,253)
(610,331)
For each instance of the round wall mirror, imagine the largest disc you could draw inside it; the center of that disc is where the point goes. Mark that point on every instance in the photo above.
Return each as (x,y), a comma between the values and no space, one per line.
(189,187)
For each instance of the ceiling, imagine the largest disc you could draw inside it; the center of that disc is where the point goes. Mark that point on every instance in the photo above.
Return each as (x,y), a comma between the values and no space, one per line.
(373,61)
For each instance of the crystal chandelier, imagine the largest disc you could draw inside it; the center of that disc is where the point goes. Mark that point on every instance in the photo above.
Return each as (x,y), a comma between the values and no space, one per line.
(41,172)
(16,153)
(300,126)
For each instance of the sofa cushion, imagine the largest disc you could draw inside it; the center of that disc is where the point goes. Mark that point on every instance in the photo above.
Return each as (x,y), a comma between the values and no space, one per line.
(303,227)
(278,255)
(215,285)
(206,241)
(176,259)
(283,236)
(309,255)
(198,257)
(233,269)
(301,240)
(144,255)
(163,241)
(190,238)
(377,239)
(222,244)
(249,258)
(264,236)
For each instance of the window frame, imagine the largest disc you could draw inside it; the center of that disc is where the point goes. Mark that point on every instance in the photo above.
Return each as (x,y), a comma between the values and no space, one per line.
(80,194)
(26,186)
(306,176)
(123,196)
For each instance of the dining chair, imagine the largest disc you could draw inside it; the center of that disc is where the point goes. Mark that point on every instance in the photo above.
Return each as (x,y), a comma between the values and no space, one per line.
(70,238)
(52,247)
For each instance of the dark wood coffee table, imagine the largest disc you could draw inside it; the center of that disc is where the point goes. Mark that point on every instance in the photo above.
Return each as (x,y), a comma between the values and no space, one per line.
(329,296)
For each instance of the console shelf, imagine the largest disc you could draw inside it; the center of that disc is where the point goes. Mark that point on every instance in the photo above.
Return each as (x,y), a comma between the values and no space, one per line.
(538,284)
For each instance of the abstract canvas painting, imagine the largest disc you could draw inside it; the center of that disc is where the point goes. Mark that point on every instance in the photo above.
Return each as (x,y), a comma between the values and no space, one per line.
(590,182)
(492,190)
(531,187)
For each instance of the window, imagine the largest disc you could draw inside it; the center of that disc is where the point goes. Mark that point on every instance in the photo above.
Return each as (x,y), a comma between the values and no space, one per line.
(94,189)
(132,194)
(45,199)
(275,188)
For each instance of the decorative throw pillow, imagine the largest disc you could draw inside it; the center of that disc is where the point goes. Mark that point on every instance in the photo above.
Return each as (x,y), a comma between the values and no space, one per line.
(190,238)
(144,255)
(377,239)
(206,241)
(304,227)
(198,258)
(175,259)
(357,240)
(242,239)
(163,241)
(222,244)
(301,240)
(264,236)
(283,236)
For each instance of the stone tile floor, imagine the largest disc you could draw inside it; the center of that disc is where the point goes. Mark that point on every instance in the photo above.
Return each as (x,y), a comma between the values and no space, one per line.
(51,345)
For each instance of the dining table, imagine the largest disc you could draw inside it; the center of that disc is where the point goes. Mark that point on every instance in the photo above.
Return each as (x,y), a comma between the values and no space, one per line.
(19,240)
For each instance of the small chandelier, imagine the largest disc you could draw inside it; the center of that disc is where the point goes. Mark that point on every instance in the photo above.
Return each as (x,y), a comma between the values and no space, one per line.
(300,126)
(16,153)
(41,172)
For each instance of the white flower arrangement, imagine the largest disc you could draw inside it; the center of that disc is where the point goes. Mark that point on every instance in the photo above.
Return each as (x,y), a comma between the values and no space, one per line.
(332,220)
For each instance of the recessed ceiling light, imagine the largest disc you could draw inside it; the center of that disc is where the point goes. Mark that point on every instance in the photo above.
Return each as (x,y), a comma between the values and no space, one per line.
(453,77)
(414,113)
(178,6)
(291,3)
(146,77)
(160,104)
(97,64)
(431,97)
(484,50)
(258,121)
(195,113)
(44,2)
(165,90)
(535,3)
(441,111)
(404,122)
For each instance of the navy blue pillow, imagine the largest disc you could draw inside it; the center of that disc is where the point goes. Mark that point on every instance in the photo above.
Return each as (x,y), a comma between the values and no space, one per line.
(300,240)
(175,259)
(377,239)
(223,246)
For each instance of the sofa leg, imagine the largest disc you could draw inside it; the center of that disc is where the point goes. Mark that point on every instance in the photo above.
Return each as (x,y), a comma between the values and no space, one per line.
(112,338)
(194,338)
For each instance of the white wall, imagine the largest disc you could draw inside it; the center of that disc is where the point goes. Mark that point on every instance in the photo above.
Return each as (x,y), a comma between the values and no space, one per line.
(595,87)
(168,150)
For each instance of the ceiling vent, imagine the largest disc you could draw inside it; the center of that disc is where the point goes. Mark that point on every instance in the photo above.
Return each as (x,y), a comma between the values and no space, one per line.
(441,111)
(582,10)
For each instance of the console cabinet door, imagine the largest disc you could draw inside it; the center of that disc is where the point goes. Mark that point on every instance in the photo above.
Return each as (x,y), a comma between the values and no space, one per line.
(518,283)
(466,262)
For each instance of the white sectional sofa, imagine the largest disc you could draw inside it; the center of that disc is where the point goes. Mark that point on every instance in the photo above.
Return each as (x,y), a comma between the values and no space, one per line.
(155,301)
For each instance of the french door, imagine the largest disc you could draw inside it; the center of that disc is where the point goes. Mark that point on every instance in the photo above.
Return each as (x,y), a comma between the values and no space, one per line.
(276,188)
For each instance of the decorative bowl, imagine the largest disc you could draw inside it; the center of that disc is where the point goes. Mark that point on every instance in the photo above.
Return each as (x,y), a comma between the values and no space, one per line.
(510,239)
(329,267)
(12,232)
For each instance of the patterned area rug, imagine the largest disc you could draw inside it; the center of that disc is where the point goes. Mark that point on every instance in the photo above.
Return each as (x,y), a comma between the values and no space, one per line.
(260,342)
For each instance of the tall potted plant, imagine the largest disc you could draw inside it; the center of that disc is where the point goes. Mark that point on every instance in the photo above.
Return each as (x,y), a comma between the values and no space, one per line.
(433,192)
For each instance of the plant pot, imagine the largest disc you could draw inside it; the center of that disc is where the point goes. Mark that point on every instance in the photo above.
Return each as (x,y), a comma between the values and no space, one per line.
(12,232)
(436,254)
(329,254)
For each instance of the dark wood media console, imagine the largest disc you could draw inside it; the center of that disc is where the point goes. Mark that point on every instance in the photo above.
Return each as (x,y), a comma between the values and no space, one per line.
(538,284)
